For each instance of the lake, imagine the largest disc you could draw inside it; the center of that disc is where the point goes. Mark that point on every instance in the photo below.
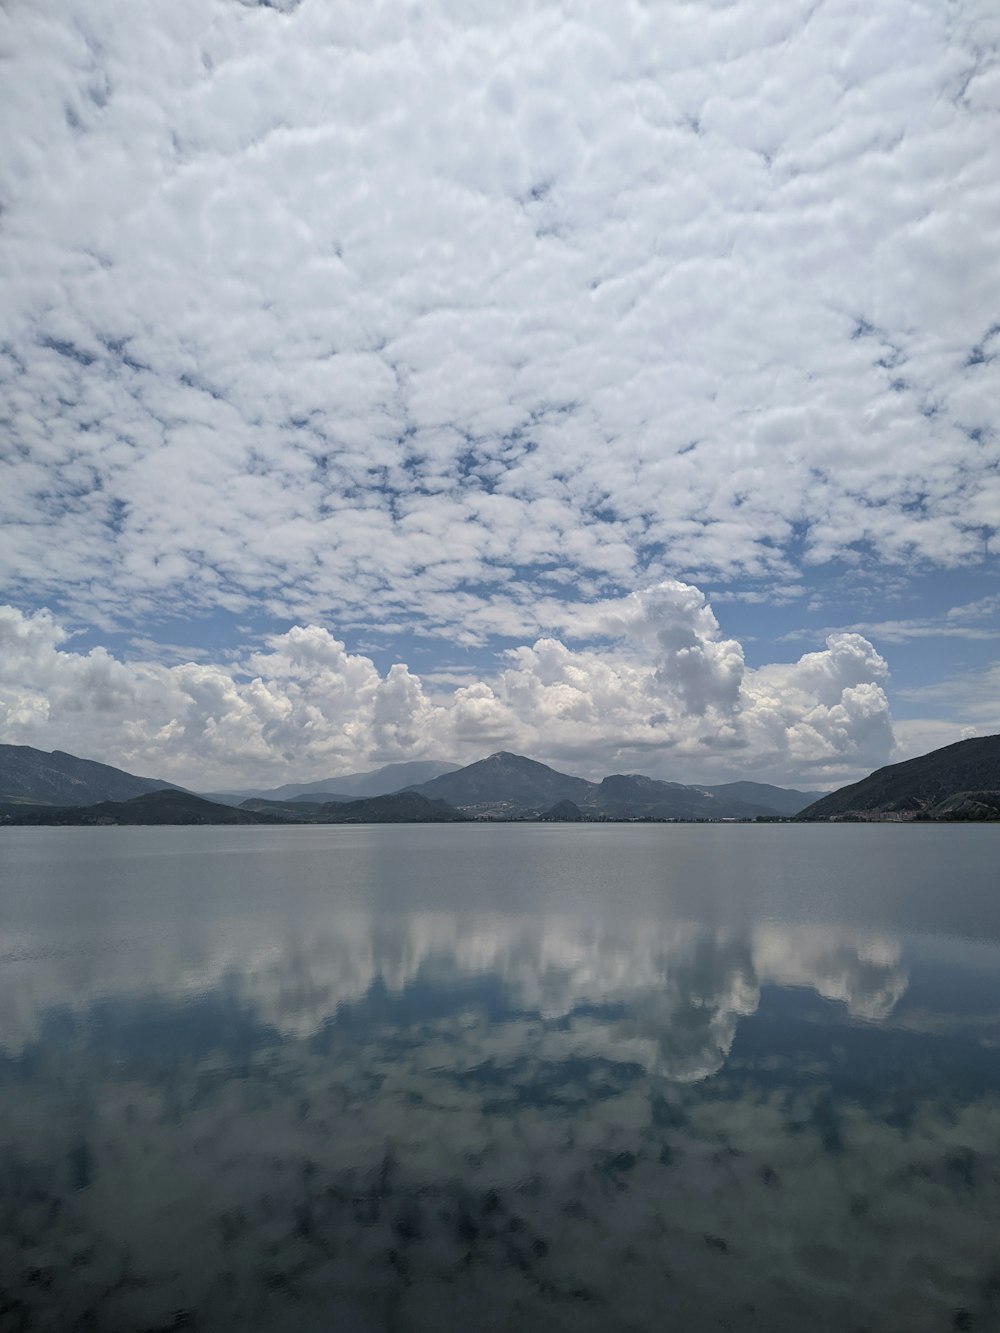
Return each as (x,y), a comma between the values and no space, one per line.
(622,1077)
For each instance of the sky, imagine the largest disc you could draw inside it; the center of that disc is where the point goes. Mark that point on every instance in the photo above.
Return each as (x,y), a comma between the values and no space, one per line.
(611,382)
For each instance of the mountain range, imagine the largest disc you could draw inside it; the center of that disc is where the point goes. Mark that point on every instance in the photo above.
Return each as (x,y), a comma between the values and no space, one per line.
(501,786)
(960,781)
(170,806)
(510,786)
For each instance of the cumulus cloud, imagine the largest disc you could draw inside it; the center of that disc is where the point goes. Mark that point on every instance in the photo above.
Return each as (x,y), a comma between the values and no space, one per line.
(396,314)
(662,688)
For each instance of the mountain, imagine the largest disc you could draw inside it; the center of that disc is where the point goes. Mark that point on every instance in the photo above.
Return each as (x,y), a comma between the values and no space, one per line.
(968,806)
(563,812)
(312,798)
(505,784)
(968,769)
(289,812)
(634,796)
(351,786)
(284,805)
(774,800)
(376,782)
(401,807)
(38,777)
(502,786)
(181,807)
(512,786)
(158,807)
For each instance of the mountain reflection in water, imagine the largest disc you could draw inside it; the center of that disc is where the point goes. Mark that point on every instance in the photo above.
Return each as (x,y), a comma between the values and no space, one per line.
(426,1120)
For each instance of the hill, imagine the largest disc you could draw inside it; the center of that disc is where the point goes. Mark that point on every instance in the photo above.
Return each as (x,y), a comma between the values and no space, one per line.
(634,796)
(968,806)
(401,807)
(289,812)
(505,784)
(563,812)
(968,769)
(158,807)
(41,777)
(761,795)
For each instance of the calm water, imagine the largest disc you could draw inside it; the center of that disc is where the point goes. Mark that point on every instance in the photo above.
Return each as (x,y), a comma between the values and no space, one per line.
(434,1078)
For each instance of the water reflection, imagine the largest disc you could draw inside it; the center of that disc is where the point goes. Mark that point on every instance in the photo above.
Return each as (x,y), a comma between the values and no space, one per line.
(667,995)
(435,1119)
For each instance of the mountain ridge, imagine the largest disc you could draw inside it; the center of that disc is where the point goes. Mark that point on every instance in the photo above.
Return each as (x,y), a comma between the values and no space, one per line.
(401,807)
(506,785)
(915,788)
(164,806)
(57,778)
(381,781)
(502,785)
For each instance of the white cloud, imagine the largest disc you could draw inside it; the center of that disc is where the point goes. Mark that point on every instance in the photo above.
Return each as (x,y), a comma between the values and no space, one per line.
(948,710)
(372,312)
(903,631)
(664,693)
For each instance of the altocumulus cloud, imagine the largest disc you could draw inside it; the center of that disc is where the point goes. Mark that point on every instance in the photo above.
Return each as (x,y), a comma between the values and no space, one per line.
(486,324)
(411,314)
(665,692)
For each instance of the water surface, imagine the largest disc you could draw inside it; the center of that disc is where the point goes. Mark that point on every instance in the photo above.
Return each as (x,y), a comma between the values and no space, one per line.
(500,1077)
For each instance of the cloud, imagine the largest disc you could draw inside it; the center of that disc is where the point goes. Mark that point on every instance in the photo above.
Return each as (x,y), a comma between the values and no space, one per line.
(902,631)
(951,709)
(412,316)
(972,695)
(656,685)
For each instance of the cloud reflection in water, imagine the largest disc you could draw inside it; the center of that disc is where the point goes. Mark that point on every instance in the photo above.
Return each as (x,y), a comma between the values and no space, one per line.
(677,990)
(416,1119)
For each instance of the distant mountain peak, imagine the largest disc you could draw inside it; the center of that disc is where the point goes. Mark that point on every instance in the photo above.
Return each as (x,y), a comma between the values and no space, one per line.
(507,757)
(504,783)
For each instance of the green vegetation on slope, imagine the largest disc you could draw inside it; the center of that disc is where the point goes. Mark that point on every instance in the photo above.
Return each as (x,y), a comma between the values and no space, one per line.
(402,807)
(158,807)
(916,786)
